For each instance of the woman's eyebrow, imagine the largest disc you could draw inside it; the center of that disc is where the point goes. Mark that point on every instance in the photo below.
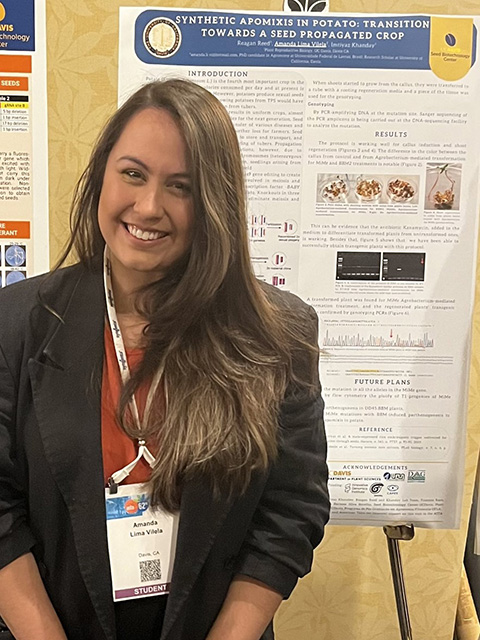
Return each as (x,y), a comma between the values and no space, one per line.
(133,159)
(181,174)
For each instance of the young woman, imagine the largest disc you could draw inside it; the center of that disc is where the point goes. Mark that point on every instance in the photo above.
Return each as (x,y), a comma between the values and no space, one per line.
(160,345)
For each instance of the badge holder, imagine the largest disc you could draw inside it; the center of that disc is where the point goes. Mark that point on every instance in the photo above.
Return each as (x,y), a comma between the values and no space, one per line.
(141,540)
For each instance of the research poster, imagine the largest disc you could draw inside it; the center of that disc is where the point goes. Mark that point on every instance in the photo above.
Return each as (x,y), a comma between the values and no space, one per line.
(23,141)
(360,137)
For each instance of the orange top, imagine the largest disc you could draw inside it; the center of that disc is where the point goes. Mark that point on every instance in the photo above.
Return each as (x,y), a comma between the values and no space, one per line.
(117,448)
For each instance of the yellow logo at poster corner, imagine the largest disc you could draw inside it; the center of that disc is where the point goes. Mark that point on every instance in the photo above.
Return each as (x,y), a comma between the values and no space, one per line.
(3,13)
(451,47)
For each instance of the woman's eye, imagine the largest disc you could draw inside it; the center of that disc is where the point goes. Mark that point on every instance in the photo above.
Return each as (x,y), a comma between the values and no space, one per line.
(133,173)
(182,186)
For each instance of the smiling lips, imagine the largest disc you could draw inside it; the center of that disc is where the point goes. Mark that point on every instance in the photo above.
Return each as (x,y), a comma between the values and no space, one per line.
(145,235)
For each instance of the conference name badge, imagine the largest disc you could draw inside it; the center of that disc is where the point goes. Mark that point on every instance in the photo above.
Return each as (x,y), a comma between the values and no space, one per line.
(141,544)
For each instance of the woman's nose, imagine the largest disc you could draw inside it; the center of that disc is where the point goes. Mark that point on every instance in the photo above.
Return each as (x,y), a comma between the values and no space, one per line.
(149,201)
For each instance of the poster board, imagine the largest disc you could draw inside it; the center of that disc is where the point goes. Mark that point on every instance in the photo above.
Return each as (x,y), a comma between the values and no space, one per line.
(360,139)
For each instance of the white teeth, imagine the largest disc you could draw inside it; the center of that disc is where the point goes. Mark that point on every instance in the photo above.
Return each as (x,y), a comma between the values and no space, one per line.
(144,235)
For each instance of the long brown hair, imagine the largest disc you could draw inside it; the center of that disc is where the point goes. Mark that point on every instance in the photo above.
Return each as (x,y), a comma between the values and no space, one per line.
(226,345)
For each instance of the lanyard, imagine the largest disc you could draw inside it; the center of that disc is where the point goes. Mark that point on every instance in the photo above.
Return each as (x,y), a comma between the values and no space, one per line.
(120,475)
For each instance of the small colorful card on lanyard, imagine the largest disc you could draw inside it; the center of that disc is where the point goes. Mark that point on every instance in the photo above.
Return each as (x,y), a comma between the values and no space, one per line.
(141,544)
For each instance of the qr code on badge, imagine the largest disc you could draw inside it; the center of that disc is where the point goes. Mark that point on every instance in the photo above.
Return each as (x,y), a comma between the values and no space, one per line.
(150,570)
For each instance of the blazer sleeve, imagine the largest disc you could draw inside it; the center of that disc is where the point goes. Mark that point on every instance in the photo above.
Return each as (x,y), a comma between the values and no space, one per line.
(289,521)
(15,535)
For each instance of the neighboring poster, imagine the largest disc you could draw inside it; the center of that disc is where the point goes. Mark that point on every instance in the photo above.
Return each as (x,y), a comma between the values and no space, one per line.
(23,141)
(360,136)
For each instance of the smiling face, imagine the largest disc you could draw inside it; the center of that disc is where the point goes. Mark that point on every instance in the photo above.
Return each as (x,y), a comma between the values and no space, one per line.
(145,210)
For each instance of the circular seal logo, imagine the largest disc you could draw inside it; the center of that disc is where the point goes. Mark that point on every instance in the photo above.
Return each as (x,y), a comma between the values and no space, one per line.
(162,37)
(3,13)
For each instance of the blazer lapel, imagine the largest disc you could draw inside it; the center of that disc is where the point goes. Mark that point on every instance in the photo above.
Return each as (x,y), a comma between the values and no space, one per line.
(66,383)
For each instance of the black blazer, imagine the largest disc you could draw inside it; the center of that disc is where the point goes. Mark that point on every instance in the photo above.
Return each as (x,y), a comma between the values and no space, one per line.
(51,474)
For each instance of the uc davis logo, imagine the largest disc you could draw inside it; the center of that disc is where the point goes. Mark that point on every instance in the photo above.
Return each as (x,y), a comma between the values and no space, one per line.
(3,13)
(162,37)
